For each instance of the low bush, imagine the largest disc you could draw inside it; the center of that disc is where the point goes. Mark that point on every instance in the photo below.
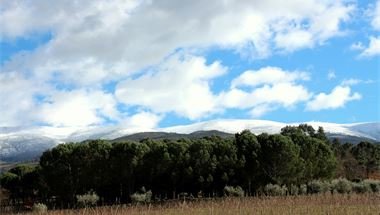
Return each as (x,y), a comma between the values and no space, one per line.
(293,190)
(303,189)
(233,191)
(373,184)
(361,187)
(39,208)
(141,197)
(275,190)
(88,199)
(341,185)
(317,186)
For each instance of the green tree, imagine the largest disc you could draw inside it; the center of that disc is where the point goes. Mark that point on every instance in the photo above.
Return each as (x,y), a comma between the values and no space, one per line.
(280,160)
(368,155)
(125,160)
(316,152)
(248,150)
(59,171)
(21,181)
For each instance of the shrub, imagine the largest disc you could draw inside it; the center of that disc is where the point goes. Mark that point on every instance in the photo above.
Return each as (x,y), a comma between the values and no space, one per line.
(294,189)
(39,208)
(233,191)
(142,197)
(341,185)
(275,190)
(317,186)
(361,187)
(88,199)
(303,189)
(373,184)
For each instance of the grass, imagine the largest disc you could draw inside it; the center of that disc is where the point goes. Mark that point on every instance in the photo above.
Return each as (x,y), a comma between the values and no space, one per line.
(312,204)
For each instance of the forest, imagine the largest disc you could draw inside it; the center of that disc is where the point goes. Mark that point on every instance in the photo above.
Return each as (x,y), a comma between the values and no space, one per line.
(119,172)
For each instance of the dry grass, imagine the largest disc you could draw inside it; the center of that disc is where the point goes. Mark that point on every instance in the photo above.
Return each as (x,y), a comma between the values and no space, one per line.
(315,204)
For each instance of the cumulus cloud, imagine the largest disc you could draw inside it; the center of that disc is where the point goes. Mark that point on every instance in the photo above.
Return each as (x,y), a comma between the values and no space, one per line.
(373,48)
(26,102)
(131,43)
(357,46)
(261,110)
(20,18)
(142,121)
(17,99)
(77,108)
(180,84)
(113,38)
(270,88)
(268,75)
(376,16)
(294,40)
(337,98)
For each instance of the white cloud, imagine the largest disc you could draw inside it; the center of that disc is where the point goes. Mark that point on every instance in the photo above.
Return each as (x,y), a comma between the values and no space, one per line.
(120,37)
(142,121)
(268,75)
(354,81)
(294,40)
(350,82)
(180,84)
(357,46)
(284,94)
(77,108)
(17,99)
(261,110)
(20,18)
(298,35)
(373,48)
(338,97)
(271,88)
(376,16)
(25,102)
(94,42)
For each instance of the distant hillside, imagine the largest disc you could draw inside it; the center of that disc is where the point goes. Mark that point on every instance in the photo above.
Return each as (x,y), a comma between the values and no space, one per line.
(349,139)
(199,134)
(28,143)
(172,135)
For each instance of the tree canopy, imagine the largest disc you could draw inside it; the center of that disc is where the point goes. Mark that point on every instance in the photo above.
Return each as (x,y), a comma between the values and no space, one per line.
(173,167)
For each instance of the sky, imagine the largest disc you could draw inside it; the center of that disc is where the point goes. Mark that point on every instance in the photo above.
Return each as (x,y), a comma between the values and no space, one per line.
(149,64)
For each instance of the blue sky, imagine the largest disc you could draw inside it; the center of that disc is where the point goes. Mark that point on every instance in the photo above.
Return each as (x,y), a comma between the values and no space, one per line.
(162,63)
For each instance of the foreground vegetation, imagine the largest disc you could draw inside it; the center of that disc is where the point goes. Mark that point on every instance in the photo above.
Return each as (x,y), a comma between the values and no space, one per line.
(300,160)
(286,205)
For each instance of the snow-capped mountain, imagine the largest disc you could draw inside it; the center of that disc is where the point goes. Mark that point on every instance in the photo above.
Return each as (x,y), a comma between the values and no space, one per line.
(366,130)
(18,143)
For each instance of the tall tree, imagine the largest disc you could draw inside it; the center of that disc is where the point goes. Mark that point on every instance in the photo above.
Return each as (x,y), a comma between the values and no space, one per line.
(368,155)
(280,160)
(248,150)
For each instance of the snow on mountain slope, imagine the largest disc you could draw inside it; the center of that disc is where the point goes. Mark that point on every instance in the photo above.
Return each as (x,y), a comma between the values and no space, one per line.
(19,141)
(24,147)
(368,130)
(229,126)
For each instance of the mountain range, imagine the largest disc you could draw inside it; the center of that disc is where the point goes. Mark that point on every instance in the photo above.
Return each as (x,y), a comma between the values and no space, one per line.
(27,143)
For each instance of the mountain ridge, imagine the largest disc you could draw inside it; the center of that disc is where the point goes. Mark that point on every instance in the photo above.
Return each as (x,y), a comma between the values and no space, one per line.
(17,142)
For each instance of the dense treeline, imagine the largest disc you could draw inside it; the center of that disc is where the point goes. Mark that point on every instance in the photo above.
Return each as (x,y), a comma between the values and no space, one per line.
(205,166)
